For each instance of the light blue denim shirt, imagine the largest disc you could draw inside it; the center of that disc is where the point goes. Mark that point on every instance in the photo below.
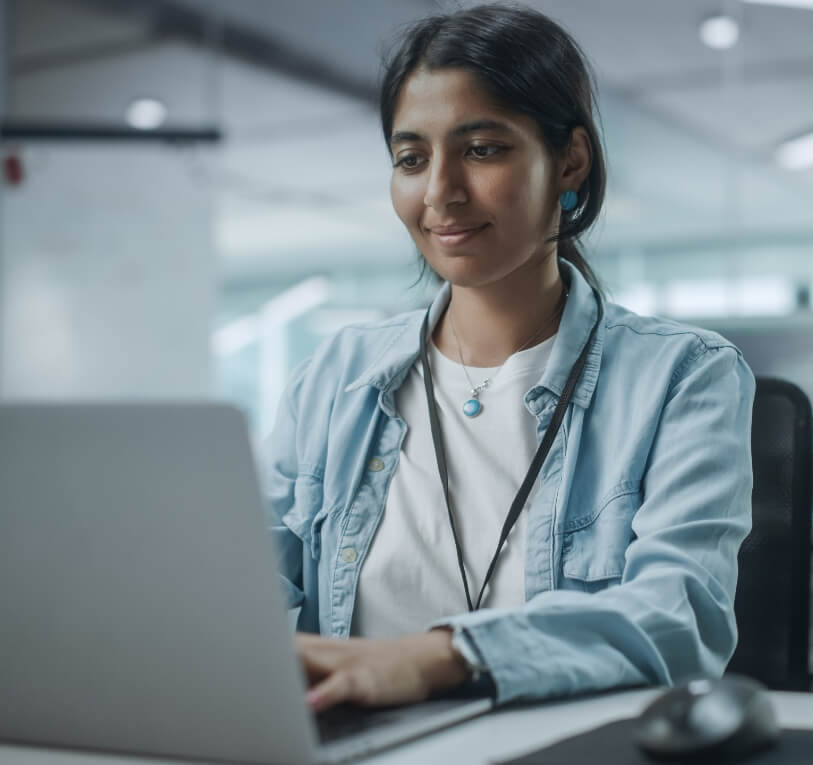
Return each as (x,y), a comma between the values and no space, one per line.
(632,536)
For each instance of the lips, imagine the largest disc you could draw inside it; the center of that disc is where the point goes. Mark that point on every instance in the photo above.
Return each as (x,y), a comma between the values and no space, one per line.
(456,234)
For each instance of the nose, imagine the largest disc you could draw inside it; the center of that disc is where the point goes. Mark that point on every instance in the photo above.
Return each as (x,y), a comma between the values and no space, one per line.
(445,185)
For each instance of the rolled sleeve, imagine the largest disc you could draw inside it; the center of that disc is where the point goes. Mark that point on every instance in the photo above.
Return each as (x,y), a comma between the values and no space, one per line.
(280,469)
(672,614)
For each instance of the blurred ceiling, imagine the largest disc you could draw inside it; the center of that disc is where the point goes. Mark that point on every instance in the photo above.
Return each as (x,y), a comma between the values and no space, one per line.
(301,179)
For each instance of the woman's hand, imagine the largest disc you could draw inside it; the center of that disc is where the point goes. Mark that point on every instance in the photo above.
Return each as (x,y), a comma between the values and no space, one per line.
(378,672)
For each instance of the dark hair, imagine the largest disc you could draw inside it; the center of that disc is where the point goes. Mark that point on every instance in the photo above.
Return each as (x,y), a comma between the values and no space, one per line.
(527,63)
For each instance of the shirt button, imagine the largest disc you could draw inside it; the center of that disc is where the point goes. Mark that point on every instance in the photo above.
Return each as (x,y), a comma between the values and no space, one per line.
(376,464)
(349,555)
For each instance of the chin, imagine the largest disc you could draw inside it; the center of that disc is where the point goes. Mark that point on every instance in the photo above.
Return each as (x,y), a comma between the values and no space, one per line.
(464,275)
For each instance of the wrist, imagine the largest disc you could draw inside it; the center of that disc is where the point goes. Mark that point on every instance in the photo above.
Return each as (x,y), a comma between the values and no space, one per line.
(445,668)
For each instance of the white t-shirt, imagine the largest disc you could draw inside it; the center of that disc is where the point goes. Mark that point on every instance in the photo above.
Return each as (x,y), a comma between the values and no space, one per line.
(410,577)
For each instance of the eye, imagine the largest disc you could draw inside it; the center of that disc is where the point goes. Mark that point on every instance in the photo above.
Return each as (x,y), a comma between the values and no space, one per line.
(409,162)
(485,150)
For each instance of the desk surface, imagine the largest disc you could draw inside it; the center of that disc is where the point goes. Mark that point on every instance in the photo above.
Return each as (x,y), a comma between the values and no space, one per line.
(503,733)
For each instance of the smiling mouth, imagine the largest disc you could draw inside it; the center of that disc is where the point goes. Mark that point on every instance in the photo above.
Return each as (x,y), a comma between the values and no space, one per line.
(452,238)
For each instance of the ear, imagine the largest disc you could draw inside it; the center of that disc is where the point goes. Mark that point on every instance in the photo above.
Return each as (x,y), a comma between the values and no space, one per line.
(576,161)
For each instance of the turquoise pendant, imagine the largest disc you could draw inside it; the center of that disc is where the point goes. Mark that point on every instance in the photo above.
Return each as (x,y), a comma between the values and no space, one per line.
(472,407)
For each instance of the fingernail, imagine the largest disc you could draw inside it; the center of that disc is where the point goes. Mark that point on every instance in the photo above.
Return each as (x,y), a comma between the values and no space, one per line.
(313,698)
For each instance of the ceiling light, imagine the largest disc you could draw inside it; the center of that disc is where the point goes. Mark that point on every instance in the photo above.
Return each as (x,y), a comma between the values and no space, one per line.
(720,32)
(784,3)
(639,297)
(706,298)
(719,298)
(796,154)
(146,113)
(763,296)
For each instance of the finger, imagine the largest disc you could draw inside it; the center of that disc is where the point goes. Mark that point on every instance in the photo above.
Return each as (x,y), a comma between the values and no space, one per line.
(310,644)
(305,643)
(326,648)
(314,675)
(335,689)
(307,638)
(316,665)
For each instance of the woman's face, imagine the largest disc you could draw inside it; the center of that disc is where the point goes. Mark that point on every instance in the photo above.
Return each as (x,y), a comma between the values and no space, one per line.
(471,181)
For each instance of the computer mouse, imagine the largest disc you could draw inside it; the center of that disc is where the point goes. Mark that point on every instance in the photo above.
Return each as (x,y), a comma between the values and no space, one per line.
(708,720)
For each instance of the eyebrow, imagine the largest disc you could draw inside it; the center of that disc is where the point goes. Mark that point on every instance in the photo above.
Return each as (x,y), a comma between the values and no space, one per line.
(401,136)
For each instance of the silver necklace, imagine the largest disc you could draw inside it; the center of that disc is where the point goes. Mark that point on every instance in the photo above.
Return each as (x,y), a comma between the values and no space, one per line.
(473,406)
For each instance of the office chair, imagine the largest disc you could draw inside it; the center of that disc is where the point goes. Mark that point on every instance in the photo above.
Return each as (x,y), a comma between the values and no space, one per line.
(772,603)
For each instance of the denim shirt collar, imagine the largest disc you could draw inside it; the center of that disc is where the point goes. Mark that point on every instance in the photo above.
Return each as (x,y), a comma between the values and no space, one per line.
(390,369)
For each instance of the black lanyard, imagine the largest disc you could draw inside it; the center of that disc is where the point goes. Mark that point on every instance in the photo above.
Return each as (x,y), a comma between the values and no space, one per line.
(536,463)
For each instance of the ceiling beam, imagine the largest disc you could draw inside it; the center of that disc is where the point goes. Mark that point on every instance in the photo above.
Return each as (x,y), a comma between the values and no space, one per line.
(5,47)
(101,131)
(713,77)
(170,20)
(80,54)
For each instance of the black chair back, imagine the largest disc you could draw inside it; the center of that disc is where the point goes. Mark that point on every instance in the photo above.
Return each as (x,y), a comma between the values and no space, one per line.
(774,589)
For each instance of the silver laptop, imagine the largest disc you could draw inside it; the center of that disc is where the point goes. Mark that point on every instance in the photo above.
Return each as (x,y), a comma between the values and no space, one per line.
(140,610)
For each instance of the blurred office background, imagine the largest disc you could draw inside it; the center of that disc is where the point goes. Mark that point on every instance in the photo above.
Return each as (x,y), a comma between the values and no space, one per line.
(195,192)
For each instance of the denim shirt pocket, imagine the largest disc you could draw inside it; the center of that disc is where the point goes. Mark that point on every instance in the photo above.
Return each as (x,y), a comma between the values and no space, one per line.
(308,512)
(594,547)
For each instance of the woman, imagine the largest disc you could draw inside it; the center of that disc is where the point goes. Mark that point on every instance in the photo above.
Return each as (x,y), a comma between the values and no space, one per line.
(400,446)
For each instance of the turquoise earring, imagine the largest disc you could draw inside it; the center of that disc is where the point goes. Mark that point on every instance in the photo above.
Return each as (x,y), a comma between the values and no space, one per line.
(569,200)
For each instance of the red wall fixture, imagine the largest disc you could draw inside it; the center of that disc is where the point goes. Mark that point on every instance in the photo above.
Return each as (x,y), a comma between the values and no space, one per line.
(13,169)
